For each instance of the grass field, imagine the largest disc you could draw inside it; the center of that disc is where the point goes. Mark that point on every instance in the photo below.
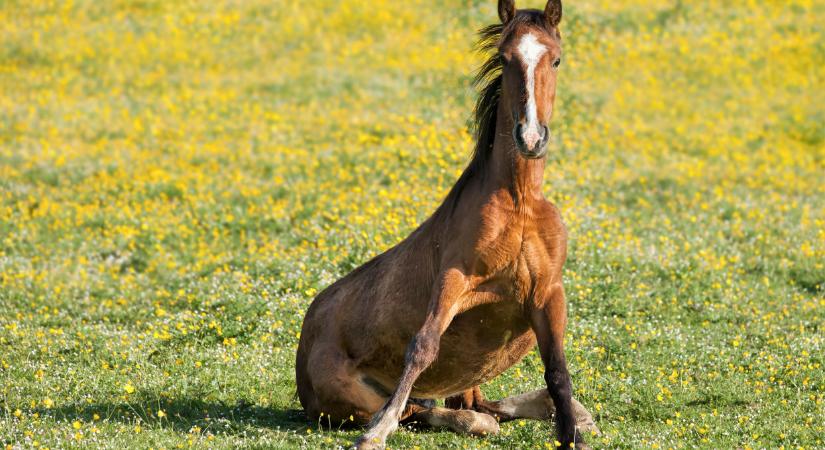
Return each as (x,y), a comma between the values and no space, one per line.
(178,179)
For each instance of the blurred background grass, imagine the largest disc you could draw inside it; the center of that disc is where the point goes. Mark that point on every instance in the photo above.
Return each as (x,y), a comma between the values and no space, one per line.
(178,179)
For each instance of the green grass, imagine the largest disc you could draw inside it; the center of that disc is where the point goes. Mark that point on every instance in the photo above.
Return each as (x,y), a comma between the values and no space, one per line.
(179,179)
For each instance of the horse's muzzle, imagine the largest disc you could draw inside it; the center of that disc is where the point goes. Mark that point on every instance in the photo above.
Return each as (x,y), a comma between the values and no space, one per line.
(532,144)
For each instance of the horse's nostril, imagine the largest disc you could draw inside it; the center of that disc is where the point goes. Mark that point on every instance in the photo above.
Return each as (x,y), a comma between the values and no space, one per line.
(518,134)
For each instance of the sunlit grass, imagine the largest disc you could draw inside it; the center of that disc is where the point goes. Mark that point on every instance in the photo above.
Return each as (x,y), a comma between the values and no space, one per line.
(179,179)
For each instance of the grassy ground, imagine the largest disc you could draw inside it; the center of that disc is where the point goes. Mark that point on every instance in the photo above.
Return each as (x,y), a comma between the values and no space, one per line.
(178,179)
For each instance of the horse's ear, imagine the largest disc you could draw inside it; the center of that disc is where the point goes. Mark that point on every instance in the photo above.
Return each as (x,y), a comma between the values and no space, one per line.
(506,10)
(553,13)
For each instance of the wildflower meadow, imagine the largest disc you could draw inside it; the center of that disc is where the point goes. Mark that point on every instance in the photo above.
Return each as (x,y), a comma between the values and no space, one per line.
(178,180)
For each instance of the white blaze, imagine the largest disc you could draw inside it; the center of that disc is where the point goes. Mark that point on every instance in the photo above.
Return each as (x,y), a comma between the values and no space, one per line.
(531,52)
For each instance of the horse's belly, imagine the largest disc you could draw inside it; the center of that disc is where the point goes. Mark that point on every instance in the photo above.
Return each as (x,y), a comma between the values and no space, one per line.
(479,345)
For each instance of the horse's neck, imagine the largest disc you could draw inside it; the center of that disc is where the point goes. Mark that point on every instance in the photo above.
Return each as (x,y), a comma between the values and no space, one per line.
(522,177)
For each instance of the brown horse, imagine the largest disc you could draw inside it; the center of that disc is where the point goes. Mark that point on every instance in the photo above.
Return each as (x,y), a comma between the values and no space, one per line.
(468,293)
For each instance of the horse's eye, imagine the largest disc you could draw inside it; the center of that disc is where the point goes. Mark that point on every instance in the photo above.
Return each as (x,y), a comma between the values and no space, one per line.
(557,63)
(502,59)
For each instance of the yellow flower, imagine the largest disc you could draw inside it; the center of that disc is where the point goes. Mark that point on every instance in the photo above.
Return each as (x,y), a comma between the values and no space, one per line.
(76,424)
(161,414)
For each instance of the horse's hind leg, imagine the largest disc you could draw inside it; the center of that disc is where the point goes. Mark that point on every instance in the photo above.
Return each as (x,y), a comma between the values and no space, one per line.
(531,405)
(331,389)
(334,390)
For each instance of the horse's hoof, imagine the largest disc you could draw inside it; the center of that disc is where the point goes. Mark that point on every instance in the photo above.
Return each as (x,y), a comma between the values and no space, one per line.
(485,424)
(369,443)
(588,428)
(475,423)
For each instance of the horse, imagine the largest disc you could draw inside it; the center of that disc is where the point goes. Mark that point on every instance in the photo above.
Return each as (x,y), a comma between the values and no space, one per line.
(473,289)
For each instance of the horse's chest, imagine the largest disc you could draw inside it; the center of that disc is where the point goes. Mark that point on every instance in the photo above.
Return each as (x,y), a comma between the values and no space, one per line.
(512,262)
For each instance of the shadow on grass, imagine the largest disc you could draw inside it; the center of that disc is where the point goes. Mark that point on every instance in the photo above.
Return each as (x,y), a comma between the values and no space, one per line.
(182,415)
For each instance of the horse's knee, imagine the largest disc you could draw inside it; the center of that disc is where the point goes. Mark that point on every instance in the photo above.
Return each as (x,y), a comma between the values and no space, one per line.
(558,383)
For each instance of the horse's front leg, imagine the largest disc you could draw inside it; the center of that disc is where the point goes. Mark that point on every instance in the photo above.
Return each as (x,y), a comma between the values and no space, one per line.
(421,352)
(548,317)
(530,405)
